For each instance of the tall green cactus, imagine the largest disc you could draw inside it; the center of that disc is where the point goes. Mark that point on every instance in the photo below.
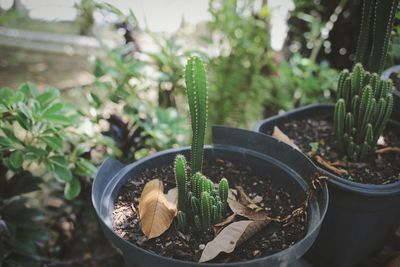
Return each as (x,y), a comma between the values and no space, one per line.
(200,204)
(363,107)
(196,89)
(376,27)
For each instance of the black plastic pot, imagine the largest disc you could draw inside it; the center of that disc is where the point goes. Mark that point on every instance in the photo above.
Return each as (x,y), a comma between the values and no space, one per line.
(360,217)
(396,94)
(285,166)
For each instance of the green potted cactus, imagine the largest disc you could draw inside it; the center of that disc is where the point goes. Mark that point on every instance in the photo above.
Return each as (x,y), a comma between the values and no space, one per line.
(275,222)
(356,144)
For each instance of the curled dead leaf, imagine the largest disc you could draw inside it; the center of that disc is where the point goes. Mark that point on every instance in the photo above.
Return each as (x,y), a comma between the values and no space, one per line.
(278,134)
(155,211)
(247,212)
(219,226)
(230,237)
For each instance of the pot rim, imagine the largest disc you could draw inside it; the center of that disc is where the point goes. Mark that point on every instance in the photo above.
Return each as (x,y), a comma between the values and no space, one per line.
(119,174)
(351,186)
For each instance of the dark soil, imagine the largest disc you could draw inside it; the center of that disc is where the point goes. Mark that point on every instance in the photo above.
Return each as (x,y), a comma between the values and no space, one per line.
(380,169)
(273,238)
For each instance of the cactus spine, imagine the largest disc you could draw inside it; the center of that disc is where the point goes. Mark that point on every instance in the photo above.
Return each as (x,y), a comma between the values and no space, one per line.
(363,107)
(376,27)
(200,204)
(196,89)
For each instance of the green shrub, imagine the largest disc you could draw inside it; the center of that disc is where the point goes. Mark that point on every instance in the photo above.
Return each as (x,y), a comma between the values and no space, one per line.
(242,36)
(38,143)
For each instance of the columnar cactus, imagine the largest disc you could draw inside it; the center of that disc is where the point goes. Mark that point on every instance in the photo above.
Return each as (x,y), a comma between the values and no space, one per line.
(200,203)
(363,107)
(196,89)
(376,28)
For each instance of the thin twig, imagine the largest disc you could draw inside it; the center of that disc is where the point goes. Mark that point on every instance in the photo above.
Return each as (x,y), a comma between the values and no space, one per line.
(388,150)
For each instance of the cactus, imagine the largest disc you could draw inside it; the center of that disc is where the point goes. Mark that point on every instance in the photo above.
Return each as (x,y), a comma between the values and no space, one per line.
(376,28)
(181,180)
(196,89)
(200,203)
(363,107)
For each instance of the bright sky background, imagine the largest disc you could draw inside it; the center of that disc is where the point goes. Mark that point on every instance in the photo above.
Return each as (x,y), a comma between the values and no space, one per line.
(158,15)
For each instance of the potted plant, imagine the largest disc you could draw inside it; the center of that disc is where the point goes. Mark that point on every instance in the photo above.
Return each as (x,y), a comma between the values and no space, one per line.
(273,198)
(342,139)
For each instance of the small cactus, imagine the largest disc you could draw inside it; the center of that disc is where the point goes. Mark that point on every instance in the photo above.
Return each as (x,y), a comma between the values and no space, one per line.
(200,203)
(363,107)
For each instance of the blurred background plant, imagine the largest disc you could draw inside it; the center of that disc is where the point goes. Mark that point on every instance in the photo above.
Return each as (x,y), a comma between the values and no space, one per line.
(240,30)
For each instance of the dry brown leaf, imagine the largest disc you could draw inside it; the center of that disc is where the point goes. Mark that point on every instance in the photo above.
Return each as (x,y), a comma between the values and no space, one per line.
(247,212)
(172,198)
(329,166)
(219,226)
(156,213)
(246,200)
(278,134)
(230,237)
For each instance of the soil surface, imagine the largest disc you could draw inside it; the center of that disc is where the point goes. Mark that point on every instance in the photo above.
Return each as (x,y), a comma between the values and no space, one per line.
(188,246)
(380,169)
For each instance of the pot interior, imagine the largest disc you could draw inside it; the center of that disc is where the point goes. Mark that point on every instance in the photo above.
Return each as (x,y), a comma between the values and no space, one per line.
(280,176)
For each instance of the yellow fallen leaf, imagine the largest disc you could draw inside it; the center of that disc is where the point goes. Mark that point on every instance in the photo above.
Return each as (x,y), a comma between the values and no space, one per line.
(155,211)
(278,134)
(230,237)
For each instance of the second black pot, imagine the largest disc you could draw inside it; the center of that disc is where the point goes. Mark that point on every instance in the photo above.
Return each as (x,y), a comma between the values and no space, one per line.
(360,217)
(287,168)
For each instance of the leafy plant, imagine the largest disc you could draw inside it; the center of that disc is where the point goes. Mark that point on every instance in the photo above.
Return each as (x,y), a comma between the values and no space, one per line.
(240,29)
(199,203)
(36,140)
(297,82)
(141,126)
(364,105)
(376,29)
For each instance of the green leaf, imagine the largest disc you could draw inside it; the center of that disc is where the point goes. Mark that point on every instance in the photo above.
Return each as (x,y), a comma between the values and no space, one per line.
(10,135)
(47,97)
(72,189)
(59,160)
(80,149)
(58,118)
(62,173)
(86,167)
(29,89)
(17,159)
(54,108)
(34,153)
(55,143)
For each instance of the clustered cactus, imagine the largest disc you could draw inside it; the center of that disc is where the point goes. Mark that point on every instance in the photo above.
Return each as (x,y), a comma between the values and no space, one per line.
(364,105)
(376,28)
(200,202)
